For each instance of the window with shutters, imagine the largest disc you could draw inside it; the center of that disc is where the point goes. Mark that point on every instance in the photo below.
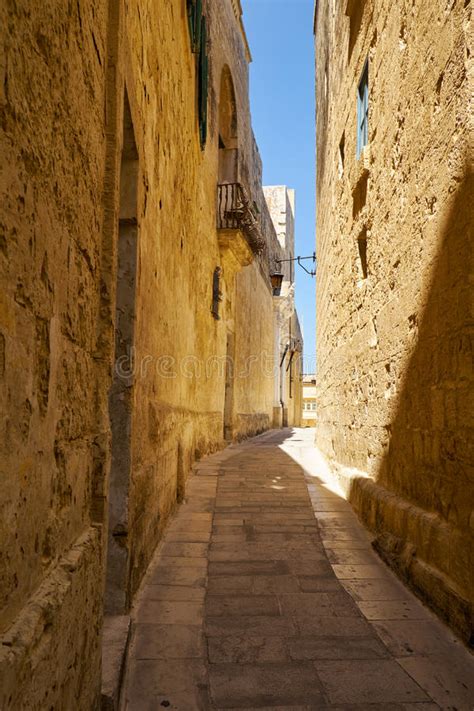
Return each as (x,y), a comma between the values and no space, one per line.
(198,35)
(203,80)
(194,8)
(363,110)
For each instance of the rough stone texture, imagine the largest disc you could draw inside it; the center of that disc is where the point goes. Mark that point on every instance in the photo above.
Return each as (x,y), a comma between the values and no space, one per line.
(395,349)
(52,79)
(51,183)
(108,247)
(115,638)
(50,655)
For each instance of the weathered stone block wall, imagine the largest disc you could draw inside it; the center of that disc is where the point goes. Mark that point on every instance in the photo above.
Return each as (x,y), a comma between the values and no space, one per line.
(50,655)
(395,342)
(52,64)
(179,399)
(175,411)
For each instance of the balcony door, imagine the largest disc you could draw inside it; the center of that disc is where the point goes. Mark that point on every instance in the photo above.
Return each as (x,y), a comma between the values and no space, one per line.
(228,148)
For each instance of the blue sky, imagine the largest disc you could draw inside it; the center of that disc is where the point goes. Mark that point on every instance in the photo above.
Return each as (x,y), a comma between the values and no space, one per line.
(280,35)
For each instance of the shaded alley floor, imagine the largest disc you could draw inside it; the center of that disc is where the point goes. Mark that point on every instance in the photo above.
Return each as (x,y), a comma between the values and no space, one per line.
(265,593)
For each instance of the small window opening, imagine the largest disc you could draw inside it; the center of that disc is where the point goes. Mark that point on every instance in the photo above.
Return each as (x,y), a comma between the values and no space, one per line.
(342,147)
(363,110)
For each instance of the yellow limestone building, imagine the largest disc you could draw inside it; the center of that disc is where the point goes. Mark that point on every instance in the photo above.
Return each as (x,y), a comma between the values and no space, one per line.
(394,84)
(310,402)
(288,336)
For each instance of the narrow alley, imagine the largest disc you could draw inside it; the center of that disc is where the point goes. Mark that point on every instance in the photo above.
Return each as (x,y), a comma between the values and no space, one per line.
(236,355)
(265,592)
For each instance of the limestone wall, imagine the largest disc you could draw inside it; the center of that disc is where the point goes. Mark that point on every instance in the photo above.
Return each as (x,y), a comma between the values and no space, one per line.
(394,300)
(254,372)
(52,79)
(179,417)
(174,411)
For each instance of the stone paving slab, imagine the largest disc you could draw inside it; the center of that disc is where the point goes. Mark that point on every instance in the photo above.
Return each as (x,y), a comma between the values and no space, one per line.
(168,641)
(366,681)
(266,594)
(237,685)
(316,648)
(248,648)
(173,593)
(170,612)
(155,684)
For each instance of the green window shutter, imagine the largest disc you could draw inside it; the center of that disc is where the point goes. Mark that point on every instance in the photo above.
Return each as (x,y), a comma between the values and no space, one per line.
(194,8)
(198,20)
(191,8)
(203,84)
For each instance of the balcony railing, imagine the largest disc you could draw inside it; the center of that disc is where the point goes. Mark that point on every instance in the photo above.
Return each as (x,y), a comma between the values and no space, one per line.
(235,212)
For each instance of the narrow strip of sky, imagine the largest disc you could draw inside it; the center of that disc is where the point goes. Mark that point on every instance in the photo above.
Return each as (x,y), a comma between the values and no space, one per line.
(280,34)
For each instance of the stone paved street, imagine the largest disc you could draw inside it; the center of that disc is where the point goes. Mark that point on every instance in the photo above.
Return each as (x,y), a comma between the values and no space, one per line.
(266,594)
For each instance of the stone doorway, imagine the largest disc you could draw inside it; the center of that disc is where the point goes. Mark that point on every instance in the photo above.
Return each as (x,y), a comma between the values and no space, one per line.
(229,387)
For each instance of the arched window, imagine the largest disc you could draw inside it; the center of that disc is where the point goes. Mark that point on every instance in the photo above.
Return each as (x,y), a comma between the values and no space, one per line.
(228,142)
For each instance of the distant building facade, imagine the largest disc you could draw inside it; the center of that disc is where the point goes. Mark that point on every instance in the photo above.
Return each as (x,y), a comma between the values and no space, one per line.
(288,336)
(308,415)
(394,85)
(137,313)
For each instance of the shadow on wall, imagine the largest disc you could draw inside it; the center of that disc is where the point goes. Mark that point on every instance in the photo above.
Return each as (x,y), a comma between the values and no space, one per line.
(422,507)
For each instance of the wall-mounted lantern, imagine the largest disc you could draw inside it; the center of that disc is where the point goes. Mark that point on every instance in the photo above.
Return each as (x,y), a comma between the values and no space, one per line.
(276,279)
(216,292)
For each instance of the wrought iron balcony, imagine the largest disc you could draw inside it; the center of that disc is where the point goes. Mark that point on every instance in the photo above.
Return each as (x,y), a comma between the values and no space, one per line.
(235,212)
